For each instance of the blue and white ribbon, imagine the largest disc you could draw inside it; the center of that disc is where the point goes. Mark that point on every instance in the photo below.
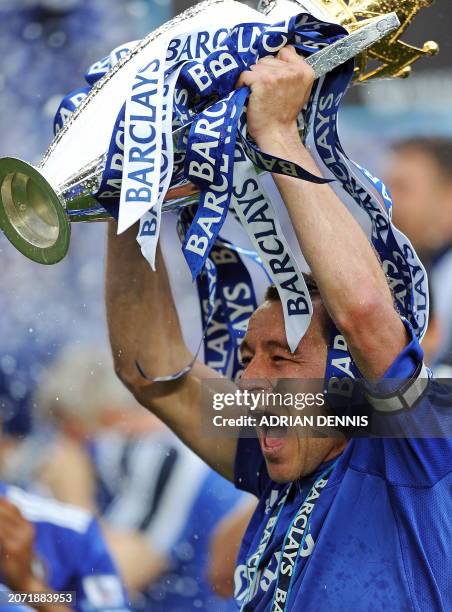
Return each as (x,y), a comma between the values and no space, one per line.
(99,69)
(210,166)
(360,191)
(227,302)
(143,143)
(109,190)
(150,100)
(68,105)
(149,232)
(258,217)
(238,300)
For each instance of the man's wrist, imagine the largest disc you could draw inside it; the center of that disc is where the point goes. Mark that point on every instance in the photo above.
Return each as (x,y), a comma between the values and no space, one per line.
(281,141)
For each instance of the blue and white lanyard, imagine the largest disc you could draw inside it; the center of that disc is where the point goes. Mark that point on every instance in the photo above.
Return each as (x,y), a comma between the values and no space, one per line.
(293,543)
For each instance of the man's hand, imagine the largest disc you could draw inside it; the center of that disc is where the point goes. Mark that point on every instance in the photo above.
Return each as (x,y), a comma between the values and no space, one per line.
(17,538)
(16,547)
(280,88)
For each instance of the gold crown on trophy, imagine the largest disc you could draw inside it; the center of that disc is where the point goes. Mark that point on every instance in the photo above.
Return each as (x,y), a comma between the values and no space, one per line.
(388,58)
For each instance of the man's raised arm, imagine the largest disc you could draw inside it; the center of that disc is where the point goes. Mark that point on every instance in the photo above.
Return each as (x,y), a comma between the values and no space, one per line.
(343,263)
(144,328)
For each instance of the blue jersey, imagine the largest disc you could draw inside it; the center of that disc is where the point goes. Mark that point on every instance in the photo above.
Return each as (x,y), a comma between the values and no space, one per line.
(380,534)
(70,551)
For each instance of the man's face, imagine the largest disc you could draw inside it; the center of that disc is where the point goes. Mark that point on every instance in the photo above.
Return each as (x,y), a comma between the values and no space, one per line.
(419,192)
(267,359)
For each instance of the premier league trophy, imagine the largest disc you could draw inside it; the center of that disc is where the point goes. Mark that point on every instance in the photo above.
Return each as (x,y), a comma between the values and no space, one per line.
(73,182)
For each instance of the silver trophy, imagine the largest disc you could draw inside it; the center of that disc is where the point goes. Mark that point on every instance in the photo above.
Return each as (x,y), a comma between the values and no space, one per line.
(37,204)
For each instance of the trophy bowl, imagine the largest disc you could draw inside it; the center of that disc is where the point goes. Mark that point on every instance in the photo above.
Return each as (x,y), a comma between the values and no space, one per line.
(32,216)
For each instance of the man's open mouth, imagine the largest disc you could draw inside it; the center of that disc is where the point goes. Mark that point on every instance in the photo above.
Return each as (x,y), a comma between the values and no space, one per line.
(271,432)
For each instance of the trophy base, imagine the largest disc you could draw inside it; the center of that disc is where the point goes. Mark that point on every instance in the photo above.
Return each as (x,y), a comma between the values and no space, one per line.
(32,216)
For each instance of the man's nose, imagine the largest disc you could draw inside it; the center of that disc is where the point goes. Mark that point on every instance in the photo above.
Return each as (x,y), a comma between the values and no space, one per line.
(257,375)
(256,385)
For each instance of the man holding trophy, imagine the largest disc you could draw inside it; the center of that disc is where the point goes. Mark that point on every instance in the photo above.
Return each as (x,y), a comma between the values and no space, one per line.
(238,126)
(372,503)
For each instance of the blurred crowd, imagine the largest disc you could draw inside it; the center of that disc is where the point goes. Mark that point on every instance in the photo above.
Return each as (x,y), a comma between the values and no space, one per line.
(108,504)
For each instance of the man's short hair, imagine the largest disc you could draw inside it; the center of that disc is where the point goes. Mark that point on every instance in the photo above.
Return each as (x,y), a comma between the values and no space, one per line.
(272,295)
(438,148)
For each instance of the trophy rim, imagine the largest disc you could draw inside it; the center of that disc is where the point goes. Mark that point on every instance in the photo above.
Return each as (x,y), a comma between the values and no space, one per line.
(40,254)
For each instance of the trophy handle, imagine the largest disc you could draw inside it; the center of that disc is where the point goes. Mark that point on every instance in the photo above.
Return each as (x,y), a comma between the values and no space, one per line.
(32,216)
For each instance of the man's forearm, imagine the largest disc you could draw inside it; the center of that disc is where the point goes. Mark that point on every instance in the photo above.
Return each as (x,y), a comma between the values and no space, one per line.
(144,328)
(142,317)
(347,271)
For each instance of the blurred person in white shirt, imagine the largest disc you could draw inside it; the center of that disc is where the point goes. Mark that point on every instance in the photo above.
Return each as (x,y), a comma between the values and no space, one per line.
(159,502)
